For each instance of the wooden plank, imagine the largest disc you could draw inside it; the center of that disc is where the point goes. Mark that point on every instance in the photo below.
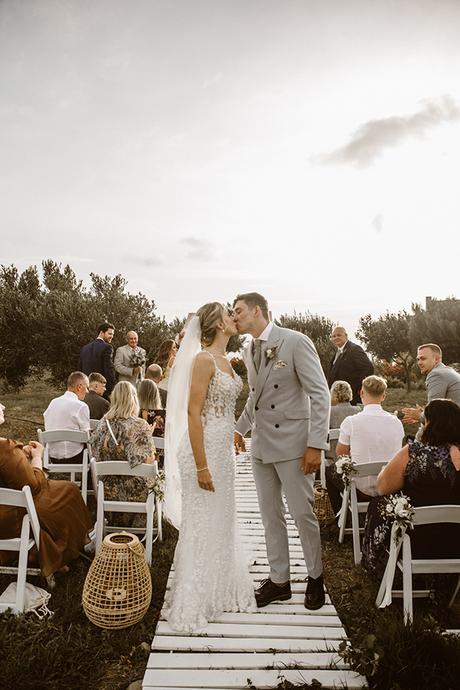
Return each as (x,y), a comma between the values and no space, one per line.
(240,679)
(236,630)
(278,619)
(235,644)
(210,660)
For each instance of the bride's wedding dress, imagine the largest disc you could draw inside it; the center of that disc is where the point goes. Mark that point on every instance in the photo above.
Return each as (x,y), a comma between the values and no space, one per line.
(210,571)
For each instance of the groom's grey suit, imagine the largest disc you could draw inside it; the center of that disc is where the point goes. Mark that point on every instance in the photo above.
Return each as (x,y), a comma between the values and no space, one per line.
(287,411)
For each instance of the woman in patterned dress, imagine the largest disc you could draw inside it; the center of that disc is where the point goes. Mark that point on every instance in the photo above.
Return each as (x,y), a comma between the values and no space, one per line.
(428,472)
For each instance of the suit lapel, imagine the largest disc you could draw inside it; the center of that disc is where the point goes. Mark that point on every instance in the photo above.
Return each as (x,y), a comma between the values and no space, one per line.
(266,365)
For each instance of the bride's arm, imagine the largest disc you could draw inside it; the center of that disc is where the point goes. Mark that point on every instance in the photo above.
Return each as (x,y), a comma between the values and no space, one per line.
(203,371)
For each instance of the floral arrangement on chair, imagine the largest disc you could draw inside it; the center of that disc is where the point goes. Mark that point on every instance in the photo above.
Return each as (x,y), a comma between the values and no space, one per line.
(398,508)
(345,468)
(157,485)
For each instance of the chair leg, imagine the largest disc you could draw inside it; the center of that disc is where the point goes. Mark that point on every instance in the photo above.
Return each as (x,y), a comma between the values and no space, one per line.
(407,581)
(343,514)
(159,509)
(22,565)
(149,529)
(100,516)
(451,602)
(355,526)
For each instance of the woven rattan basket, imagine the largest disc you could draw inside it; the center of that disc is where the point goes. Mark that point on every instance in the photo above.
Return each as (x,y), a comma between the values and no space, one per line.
(118,586)
(322,506)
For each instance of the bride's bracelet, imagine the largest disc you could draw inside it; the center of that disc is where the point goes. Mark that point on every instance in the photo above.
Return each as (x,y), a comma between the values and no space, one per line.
(202,469)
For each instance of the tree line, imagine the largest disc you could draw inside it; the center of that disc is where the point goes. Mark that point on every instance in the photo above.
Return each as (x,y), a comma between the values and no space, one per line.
(44,322)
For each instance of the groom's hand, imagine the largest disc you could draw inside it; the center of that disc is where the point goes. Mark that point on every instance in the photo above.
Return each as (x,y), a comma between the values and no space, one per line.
(311,460)
(239,443)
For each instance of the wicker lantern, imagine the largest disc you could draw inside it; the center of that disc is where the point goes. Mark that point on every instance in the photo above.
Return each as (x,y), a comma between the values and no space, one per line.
(118,586)
(322,506)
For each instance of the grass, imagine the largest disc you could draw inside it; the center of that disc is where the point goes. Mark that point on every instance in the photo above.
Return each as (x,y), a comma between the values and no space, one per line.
(67,651)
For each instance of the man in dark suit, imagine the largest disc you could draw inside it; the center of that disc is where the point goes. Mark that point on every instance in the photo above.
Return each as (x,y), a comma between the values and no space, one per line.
(349,364)
(97,356)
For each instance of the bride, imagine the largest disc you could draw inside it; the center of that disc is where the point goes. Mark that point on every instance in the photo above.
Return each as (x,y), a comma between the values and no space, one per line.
(210,573)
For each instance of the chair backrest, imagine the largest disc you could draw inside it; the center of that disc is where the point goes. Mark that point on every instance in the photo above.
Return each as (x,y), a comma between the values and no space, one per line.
(334,434)
(45,437)
(119,468)
(425,515)
(159,442)
(93,423)
(22,499)
(368,469)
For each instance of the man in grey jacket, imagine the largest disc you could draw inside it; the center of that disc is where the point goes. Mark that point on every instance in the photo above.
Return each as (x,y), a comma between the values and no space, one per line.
(129,360)
(441,381)
(287,412)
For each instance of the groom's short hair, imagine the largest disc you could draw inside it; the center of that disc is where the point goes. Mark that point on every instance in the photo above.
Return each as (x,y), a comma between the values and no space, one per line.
(254,299)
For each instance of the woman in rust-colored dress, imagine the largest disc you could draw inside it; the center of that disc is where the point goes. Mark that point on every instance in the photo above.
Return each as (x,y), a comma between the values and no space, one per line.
(63,516)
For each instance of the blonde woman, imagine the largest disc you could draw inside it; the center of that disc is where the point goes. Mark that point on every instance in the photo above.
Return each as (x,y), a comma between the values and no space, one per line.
(210,575)
(123,435)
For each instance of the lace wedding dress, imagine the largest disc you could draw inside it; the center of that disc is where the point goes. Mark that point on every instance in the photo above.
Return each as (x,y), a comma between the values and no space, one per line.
(210,571)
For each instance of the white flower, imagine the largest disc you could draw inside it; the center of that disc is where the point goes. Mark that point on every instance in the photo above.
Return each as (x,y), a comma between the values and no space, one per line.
(389,508)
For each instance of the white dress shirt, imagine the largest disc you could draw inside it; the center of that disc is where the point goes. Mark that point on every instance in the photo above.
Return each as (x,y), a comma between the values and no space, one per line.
(66,412)
(266,332)
(373,436)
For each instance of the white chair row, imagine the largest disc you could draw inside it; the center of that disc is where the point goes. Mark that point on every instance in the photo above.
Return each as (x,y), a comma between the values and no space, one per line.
(46,437)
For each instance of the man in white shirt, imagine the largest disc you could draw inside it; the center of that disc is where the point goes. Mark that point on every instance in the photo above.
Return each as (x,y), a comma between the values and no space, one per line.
(372,435)
(68,411)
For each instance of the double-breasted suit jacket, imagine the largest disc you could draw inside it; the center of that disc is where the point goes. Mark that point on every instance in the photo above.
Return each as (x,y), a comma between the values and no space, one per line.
(123,365)
(288,405)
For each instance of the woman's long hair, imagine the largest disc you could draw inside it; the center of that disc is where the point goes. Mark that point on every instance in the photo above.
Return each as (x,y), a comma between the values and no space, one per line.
(123,402)
(442,426)
(149,395)
(163,355)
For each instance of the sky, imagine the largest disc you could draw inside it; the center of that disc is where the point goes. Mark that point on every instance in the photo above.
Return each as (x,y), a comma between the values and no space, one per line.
(305,149)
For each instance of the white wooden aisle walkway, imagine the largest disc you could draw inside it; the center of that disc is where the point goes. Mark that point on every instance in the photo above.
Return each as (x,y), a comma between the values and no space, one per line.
(282,640)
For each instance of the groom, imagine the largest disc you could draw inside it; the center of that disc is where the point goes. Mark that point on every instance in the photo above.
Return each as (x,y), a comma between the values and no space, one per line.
(288,413)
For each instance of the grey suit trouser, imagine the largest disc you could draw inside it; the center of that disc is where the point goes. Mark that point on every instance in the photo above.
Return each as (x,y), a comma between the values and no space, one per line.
(272,480)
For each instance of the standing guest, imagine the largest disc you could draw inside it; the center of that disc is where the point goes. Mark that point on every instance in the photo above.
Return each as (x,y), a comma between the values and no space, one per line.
(341,407)
(98,405)
(155,373)
(165,358)
(287,412)
(68,411)
(122,435)
(97,356)
(63,516)
(130,360)
(349,364)
(428,472)
(373,435)
(441,382)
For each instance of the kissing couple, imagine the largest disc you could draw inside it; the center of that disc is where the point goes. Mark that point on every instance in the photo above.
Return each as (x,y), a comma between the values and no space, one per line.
(287,412)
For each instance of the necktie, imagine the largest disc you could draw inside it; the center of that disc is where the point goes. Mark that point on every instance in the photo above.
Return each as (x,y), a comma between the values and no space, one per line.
(338,354)
(257,353)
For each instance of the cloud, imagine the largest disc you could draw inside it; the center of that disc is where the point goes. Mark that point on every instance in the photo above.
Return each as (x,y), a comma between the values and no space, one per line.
(377,222)
(148,261)
(199,250)
(374,136)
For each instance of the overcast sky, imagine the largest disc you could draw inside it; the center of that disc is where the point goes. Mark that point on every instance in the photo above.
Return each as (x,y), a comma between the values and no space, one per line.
(307,149)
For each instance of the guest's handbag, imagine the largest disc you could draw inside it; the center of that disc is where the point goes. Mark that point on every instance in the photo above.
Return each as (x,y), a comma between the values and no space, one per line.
(35,599)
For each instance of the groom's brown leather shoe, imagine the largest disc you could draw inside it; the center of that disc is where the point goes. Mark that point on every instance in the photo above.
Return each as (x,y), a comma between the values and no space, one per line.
(270,591)
(314,594)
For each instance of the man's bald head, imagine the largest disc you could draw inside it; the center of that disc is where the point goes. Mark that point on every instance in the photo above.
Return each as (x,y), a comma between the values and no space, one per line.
(154,372)
(339,336)
(132,338)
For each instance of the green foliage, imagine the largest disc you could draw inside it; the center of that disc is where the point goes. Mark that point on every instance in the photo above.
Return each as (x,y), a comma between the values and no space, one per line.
(418,656)
(440,324)
(388,338)
(44,326)
(318,328)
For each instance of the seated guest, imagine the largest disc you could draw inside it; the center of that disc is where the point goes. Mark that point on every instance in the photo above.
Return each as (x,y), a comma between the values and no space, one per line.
(68,411)
(155,373)
(98,405)
(341,407)
(428,472)
(372,435)
(123,435)
(149,402)
(63,516)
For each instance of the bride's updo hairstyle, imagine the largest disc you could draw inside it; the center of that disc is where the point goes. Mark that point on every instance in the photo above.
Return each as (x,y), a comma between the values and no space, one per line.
(210,315)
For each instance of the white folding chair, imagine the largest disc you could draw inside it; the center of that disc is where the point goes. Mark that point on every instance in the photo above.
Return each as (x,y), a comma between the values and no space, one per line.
(333,435)
(46,437)
(424,515)
(350,502)
(159,445)
(30,537)
(122,469)
(93,423)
